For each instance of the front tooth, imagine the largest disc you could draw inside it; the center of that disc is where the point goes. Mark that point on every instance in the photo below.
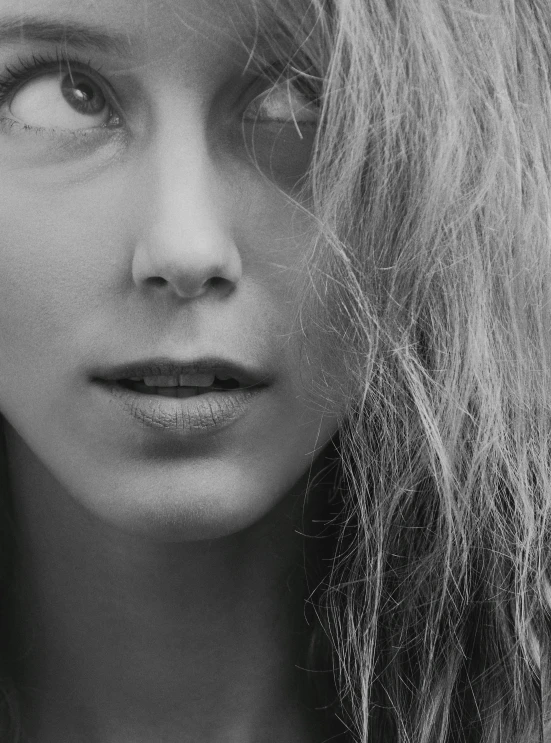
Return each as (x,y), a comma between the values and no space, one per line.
(198,379)
(161,381)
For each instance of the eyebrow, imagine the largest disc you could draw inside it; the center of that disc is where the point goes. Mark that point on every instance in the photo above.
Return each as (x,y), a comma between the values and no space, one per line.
(25,28)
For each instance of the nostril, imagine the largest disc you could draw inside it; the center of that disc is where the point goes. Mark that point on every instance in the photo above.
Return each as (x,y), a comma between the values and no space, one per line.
(219,285)
(217,282)
(187,288)
(156,281)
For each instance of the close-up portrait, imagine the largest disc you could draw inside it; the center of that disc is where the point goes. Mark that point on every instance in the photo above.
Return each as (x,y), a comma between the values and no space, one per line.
(275,371)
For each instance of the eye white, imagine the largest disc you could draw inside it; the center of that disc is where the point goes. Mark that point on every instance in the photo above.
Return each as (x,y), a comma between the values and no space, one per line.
(41,103)
(284,103)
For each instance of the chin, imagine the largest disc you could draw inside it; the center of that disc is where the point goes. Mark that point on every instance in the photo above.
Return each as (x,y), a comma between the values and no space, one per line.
(171,499)
(174,512)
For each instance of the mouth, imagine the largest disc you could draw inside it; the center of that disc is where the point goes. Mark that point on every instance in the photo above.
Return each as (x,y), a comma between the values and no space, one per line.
(204,391)
(191,398)
(182,385)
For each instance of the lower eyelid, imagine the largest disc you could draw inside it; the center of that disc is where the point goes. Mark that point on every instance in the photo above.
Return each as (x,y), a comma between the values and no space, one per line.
(15,128)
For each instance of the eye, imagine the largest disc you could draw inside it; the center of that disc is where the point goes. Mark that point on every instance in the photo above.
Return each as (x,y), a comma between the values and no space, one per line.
(64,99)
(282,102)
(279,129)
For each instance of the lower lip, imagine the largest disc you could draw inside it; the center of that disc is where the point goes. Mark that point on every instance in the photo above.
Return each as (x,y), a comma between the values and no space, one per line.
(190,415)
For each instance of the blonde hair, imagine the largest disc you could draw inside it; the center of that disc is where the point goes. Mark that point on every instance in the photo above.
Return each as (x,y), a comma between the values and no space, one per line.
(431,185)
(430,283)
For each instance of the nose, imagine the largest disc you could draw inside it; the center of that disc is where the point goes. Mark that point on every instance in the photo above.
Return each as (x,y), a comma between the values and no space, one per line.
(185,246)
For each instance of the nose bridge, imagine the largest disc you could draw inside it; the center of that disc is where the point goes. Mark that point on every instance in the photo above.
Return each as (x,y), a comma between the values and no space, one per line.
(187,241)
(184,192)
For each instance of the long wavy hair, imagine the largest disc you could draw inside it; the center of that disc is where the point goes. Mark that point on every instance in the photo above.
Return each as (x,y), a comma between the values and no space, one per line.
(429,280)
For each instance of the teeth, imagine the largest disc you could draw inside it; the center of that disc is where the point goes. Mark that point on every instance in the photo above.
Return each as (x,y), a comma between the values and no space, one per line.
(192,379)
(169,391)
(199,379)
(161,381)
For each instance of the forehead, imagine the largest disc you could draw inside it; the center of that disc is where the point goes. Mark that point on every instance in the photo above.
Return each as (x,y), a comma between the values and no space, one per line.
(204,29)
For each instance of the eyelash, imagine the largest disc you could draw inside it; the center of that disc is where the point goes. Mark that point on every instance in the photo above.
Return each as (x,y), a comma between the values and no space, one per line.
(306,84)
(17,75)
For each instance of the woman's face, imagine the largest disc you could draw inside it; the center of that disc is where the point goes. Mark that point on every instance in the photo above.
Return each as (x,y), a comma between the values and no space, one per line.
(139,240)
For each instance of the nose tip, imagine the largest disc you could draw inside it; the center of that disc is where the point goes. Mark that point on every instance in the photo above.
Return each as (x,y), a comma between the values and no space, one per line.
(187,251)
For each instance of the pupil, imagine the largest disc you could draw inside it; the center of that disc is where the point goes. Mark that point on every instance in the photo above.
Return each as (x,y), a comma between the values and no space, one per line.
(82,94)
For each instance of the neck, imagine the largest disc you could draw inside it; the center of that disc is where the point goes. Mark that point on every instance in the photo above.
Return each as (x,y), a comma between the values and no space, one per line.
(125,639)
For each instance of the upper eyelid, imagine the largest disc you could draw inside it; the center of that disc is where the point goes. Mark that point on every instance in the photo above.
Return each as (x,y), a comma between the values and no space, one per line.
(279,70)
(273,74)
(37,65)
(14,79)
(270,75)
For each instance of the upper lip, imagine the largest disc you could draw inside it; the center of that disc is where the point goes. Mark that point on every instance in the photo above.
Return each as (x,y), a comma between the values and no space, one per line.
(160,367)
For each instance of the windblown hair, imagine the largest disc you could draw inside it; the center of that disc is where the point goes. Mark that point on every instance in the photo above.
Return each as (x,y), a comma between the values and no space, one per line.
(430,281)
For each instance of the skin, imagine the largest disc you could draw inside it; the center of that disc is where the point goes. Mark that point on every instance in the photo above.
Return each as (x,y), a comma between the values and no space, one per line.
(154,600)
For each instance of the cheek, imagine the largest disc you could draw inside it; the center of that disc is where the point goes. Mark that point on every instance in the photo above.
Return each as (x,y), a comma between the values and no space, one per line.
(57,258)
(281,151)
(276,241)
